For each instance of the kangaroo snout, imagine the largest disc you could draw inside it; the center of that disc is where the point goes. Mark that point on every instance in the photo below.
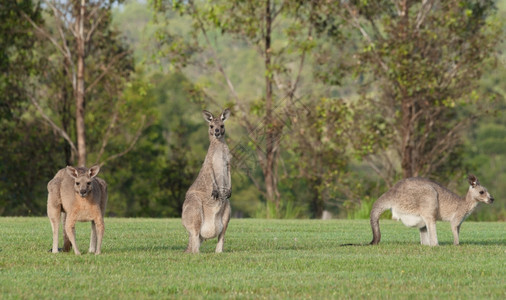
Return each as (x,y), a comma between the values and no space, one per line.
(491,199)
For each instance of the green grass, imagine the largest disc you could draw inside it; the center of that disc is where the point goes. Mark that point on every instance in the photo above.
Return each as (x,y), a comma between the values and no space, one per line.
(143,258)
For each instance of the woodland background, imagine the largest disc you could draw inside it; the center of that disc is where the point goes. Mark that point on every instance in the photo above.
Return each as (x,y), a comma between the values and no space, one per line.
(332,101)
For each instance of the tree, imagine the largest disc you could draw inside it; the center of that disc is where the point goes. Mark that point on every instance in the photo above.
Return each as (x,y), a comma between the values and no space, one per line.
(263,28)
(78,29)
(426,58)
(16,54)
(24,165)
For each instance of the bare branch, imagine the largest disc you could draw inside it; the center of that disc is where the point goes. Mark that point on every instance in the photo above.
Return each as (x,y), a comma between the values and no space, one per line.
(60,131)
(132,144)
(424,10)
(61,16)
(277,12)
(44,33)
(295,84)
(445,142)
(356,23)
(105,138)
(397,8)
(106,70)
(95,24)
(220,67)
(378,171)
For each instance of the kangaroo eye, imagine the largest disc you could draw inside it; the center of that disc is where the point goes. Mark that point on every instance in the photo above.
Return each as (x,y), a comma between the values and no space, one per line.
(481,192)
(222,126)
(212,126)
(88,183)
(78,183)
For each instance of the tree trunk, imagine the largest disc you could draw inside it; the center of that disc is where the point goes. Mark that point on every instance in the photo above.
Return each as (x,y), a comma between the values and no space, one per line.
(407,135)
(65,114)
(407,105)
(271,136)
(317,198)
(80,129)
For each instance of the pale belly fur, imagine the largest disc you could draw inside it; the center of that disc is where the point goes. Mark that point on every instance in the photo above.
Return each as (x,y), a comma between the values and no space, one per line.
(408,219)
(212,225)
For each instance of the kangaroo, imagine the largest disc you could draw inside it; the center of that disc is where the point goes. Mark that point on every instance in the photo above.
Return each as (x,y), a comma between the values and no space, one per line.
(206,209)
(80,196)
(419,202)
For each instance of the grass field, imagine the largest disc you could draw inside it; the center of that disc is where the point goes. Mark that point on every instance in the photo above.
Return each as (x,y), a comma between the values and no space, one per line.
(143,258)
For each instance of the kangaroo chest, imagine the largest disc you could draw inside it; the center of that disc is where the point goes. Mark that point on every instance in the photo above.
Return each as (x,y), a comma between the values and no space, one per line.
(83,209)
(221,164)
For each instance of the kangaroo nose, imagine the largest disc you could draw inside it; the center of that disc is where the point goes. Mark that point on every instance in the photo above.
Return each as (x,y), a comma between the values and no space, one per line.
(217,130)
(491,199)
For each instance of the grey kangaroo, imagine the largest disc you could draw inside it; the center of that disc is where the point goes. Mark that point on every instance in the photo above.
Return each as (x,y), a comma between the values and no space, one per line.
(80,196)
(419,203)
(206,209)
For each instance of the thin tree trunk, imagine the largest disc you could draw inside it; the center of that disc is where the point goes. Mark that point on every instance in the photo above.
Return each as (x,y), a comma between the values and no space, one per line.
(407,105)
(317,201)
(80,129)
(65,115)
(270,149)
(407,135)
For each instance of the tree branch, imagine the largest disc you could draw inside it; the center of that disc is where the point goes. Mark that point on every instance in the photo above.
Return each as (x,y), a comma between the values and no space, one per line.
(44,33)
(130,147)
(94,24)
(106,70)
(221,69)
(60,131)
(424,10)
(356,23)
(105,139)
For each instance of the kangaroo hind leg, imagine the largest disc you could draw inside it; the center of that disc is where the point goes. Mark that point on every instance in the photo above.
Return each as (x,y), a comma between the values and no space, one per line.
(192,221)
(424,236)
(225,219)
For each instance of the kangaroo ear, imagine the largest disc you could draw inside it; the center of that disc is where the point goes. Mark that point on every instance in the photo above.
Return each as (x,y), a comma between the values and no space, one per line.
(207,116)
(93,171)
(72,172)
(473,181)
(225,114)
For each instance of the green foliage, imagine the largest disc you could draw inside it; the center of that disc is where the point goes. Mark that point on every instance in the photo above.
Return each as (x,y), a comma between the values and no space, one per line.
(152,179)
(275,259)
(287,210)
(25,165)
(362,210)
(427,66)
(340,131)
(17,59)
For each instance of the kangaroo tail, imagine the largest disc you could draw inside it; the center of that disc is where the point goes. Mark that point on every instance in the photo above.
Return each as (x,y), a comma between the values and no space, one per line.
(377,209)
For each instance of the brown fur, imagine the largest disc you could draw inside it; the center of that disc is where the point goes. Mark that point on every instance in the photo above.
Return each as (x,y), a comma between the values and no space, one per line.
(206,209)
(80,196)
(419,202)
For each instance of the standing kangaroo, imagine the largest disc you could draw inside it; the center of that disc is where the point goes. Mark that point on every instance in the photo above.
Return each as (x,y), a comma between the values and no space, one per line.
(206,209)
(80,196)
(419,202)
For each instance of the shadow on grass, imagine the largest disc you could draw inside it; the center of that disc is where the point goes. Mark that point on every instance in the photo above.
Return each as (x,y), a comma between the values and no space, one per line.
(146,248)
(484,243)
(449,243)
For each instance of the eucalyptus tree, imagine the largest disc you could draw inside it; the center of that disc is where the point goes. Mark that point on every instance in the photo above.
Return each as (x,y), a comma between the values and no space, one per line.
(280,33)
(89,68)
(426,59)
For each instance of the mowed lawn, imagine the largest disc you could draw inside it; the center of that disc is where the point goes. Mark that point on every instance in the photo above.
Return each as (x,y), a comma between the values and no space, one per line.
(143,258)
